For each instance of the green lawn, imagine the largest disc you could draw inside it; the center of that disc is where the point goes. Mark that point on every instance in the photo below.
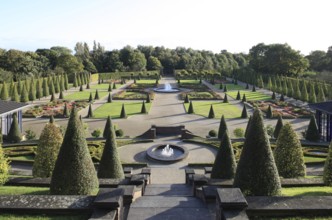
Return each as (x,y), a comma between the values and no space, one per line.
(114,109)
(22,190)
(42,217)
(189,81)
(313,159)
(230,87)
(226,109)
(85,95)
(104,86)
(251,96)
(307,191)
(146,81)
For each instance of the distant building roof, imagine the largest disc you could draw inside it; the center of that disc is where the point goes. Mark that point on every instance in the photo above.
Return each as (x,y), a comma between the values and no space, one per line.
(7,107)
(323,107)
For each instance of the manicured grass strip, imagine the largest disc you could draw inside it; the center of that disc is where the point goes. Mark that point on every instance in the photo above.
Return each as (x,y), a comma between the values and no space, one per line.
(230,87)
(189,81)
(146,81)
(226,109)
(85,95)
(313,159)
(307,191)
(22,190)
(114,109)
(42,217)
(251,96)
(104,86)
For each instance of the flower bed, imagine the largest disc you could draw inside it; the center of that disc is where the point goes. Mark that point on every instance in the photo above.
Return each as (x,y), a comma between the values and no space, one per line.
(131,94)
(200,95)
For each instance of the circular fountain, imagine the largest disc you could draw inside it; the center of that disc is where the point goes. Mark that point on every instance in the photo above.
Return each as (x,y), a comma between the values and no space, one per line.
(166,89)
(167,153)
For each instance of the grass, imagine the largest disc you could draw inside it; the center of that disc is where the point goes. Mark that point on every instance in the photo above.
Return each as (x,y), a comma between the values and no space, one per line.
(189,81)
(146,81)
(307,191)
(85,95)
(22,190)
(226,109)
(104,86)
(42,217)
(251,96)
(114,109)
(130,95)
(230,87)
(313,159)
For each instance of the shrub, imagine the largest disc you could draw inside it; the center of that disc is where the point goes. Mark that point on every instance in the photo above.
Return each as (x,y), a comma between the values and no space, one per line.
(4,167)
(224,166)
(213,133)
(90,112)
(96,133)
(282,98)
(65,111)
(238,96)
(30,134)
(238,132)
(96,95)
(225,98)
(24,95)
(107,125)
(288,154)
(143,109)
(90,97)
(109,98)
(328,168)
(244,98)
(278,127)
(270,130)
(256,173)
(81,88)
(312,133)
(269,113)
(244,113)
(47,151)
(110,164)
(148,99)
(52,98)
(123,112)
(253,88)
(247,86)
(247,127)
(74,172)
(225,88)
(191,108)
(222,127)
(211,112)
(119,133)
(110,87)
(114,86)
(273,96)
(186,100)
(61,95)
(14,134)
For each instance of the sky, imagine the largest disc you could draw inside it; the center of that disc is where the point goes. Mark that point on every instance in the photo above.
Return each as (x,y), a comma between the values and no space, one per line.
(215,25)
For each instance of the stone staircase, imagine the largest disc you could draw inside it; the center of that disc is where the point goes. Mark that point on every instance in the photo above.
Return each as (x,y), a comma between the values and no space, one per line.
(169,201)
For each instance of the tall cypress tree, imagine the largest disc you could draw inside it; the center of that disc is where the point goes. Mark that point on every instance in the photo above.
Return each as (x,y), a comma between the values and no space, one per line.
(288,154)
(24,95)
(278,127)
(222,127)
(110,164)
(224,166)
(312,95)
(256,173)
(75,83)
(14,134)
(4,92)
(39,90)
(57,85)
(51,86)
(74,172)
(15,97)
(244,113)
(304,93)
(45,88)
(66,82)
(312,131)
(328,168)
(211,113)
(123,112)
(62,83)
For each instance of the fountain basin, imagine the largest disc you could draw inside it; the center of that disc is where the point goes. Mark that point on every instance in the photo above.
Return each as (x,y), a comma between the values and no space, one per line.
(155,153)
(166,89)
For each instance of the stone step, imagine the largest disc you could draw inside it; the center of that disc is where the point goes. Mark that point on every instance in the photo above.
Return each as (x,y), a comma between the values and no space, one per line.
(168,190)
(168,207)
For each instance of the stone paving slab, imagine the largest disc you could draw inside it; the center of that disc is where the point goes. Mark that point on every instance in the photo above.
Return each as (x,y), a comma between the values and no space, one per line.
(167,202)
(168,190)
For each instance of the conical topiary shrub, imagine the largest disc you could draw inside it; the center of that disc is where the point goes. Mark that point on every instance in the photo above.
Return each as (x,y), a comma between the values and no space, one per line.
(88,86)
(247,86)
(143,109)
(225,88)
(253,88)
(247,127)
(282,98)
(52,98)
(244,98)
(51,119)
(106,128)
(224,166)
(109,87)
(328,168)
(96,95)
(123,112)
(110,164)
(278,127)
(148,100)
(191,108)
(273,97)
(312,133)
(288,154)
(14,96)
(61,95)
(238,96)
(81,88)
(109,98)
(24,95)
(90,112)
(225,98)
(114,85)
(244,113)
(4,92)
(74,172)
(222,127)
(14,134)
(221,86)
(256,173)
(186,99)
(49,144)
(269,113)
(90,97)
(65,111)
(211,113)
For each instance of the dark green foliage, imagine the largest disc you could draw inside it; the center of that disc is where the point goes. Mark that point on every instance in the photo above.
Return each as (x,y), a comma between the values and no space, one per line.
(328,168)
(51,119)
(256,173)
(304,93)
(32,92)
(114,86)
(90,97)
(321,95)
(247,86)
(282,98)
(191,108)
(47,151)
(65,111)
(74,172)
(225,98)
(244,98)
(186,99)
(96,95)
(81,88)
(221,86)
(51,86)
(61,95)
(56,86)
(109,98)
(75,83)
(238,96)
(148,100)
(273,96)
(107,126)
(109,87)
(278,127)
(119,133)
(14,96)
(14,134)
(52,98)
(269,113)
(143,109)
(157,81)
(211,113)
(62,83)
(24,95)
(45,88)
(4,92)
(312,95)
(312,133)
(225,88)
(4,166)
(90,112)
(123,112)
(253,88)
(39,89)
(224,166)
(222,127)
(88,86)
(288,154)
(244,113)
(213,133)
(200,81)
